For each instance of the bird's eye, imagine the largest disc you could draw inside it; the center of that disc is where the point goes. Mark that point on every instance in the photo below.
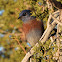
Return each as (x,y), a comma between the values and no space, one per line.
(24,14)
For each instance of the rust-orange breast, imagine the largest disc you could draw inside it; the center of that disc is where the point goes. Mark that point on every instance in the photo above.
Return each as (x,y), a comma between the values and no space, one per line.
(32,25)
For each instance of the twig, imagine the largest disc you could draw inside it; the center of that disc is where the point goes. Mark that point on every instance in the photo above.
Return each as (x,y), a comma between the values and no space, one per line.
(48,23)
(56,12)
(20,45)
(41,6)
(52,40)
(57,53)
(57,21)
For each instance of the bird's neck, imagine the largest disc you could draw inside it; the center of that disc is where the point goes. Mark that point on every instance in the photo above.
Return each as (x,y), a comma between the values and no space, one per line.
(27,19)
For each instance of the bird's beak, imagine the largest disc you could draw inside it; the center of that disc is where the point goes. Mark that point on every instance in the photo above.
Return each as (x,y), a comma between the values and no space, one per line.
(20,15)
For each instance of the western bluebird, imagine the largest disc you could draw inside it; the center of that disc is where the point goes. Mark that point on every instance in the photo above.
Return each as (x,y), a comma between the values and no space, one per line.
(32,28)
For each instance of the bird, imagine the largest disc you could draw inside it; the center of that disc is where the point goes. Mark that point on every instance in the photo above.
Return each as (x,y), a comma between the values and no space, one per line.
(32,28)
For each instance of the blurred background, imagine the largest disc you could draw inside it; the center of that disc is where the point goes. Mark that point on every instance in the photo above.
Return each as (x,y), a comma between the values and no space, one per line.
(10,42)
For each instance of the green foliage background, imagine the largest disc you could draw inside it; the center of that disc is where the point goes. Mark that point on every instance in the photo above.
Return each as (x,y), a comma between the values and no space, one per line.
(9,25)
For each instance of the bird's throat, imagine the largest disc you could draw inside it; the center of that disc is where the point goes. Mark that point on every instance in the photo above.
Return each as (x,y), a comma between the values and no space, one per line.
(27,19)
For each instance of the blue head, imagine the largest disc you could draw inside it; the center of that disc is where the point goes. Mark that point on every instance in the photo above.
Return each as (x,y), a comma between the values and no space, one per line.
(25,16)
(24,13)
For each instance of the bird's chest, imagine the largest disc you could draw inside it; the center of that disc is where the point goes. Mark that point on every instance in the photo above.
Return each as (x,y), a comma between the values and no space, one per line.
(27,27)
